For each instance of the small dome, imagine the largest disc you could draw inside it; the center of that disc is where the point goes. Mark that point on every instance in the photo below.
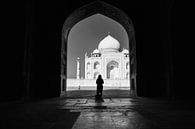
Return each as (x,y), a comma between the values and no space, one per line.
(96,51)
(125,51)
(109,44)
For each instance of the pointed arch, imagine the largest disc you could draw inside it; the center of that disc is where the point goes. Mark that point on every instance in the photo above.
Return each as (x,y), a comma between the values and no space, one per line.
(88,65)
(87,11)
(110,68)
(96,64)
(96,75)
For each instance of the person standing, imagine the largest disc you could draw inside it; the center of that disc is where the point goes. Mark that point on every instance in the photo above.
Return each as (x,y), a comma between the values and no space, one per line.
(99,83)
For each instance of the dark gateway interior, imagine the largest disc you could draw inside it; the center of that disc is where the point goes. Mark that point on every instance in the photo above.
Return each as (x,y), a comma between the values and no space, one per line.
(32,49)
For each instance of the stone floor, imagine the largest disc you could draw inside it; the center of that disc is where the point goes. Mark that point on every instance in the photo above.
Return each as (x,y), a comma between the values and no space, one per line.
(130,113)
(109,113)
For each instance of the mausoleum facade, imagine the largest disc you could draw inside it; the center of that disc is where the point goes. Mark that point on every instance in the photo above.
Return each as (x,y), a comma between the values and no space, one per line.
(107,60)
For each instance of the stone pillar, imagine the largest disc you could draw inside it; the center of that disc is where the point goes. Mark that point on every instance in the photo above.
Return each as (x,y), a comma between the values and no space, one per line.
(78,68)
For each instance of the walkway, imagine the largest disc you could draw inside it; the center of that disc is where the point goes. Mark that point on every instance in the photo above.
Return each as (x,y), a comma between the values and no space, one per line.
(129,113)
(110,113)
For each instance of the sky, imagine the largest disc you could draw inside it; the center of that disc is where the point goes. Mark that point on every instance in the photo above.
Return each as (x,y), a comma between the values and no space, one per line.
(85,37)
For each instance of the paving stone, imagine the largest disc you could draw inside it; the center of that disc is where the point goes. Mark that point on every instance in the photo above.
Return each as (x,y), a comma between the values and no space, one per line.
(107,100)
(114,100)
(84,123)
(114,113)
(104,125)
(82,101)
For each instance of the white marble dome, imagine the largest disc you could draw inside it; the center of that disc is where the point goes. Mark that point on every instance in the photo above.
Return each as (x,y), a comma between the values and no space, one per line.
(96,51)
(109,44)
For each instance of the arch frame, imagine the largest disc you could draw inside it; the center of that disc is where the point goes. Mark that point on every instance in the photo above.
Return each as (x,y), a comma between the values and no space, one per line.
(97,7)
(110,66)
(88,65)
(96,63)
(95,75)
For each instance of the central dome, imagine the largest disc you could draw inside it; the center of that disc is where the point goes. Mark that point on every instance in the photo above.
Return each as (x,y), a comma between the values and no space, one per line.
(109,44)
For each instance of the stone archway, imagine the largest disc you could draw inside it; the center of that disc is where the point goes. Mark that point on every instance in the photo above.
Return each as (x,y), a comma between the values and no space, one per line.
(97,7)
(111,69)
(96,75)
(96,65)
(88,65)
(127,65)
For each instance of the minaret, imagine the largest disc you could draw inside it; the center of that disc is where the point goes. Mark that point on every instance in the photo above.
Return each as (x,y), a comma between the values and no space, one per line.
(86,55)
(78,68)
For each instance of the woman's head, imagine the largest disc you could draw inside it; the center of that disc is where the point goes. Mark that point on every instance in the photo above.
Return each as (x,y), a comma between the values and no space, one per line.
(99,76)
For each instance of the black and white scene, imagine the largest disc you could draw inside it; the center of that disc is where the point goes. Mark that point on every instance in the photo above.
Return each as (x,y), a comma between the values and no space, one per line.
(97,64)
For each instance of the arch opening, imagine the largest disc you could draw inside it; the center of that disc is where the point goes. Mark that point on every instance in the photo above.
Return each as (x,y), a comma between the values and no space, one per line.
(96,65)
(113,70)
(69,24)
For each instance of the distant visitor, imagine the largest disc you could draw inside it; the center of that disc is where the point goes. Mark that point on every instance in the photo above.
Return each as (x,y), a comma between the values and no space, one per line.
(99,83)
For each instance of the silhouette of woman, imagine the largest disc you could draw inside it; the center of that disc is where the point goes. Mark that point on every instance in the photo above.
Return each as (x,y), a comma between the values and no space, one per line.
(99,83)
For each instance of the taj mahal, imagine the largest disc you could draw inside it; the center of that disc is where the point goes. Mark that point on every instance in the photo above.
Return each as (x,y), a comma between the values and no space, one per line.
(107,60)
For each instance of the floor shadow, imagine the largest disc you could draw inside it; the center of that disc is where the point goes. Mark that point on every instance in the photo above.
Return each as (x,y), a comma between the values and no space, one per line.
(99,100)
(36,115)
(111,93)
